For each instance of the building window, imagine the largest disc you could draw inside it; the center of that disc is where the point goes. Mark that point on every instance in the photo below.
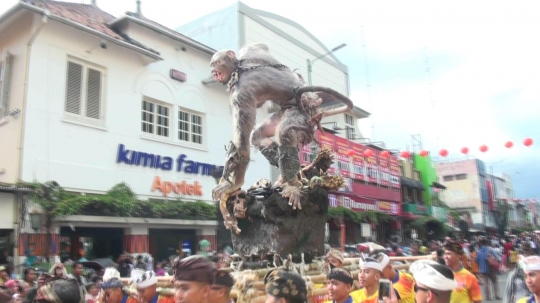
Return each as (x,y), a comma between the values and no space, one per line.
(190,127)
(350,126)
(448,178)
(84,90)
(416,175)
(482,182)
(359,170)
(349,120)
(461,176)
(6,67)
(342,165)
(155,118)
(401,173)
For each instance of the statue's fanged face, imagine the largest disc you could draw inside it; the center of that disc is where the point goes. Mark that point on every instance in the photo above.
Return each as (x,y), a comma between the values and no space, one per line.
(240,205)
(223,64)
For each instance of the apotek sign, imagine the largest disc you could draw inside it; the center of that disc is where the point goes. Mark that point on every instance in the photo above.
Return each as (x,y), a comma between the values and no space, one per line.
(179,188)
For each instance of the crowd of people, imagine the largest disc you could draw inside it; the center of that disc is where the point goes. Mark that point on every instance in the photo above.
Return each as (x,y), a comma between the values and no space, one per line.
(455,274)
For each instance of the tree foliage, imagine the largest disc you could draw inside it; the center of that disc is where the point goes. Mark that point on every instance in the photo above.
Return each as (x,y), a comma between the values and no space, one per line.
(357,217)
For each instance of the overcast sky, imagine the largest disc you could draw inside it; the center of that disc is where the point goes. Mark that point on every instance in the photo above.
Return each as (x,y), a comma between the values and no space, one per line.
(461,73)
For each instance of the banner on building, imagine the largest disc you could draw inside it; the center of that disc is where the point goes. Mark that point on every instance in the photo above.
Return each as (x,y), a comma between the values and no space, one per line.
(384,171)
(342,146)
(357,204)
(390,208)
(359,166)
(373,166)
(306,153)
(327,141)
(394,171)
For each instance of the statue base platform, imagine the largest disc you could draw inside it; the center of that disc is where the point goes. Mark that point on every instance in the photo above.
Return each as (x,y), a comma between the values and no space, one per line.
(272,226)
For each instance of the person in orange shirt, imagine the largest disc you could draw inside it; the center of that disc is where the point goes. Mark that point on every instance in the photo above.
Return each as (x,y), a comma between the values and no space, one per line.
(468,290)
(403,282)
(434,282)
(369,276)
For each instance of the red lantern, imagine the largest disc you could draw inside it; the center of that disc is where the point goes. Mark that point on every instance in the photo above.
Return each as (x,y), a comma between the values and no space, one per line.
(405,154)
(465,150)
(508,144)
(483,148)
(443,152)
(385,154)
(368,153)
(423,153)
(351,152)
(528,142)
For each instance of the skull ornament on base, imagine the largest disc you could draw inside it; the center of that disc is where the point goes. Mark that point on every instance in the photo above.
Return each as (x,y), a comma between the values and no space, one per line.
(239,201)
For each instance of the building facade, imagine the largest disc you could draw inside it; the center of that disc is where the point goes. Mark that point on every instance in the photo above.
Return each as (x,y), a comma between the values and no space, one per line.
(466,190)
(106,101)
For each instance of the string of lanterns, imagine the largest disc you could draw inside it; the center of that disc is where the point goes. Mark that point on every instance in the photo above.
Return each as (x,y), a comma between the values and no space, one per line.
(465,150)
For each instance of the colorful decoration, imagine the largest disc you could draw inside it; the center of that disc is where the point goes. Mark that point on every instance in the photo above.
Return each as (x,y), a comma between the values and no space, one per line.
(385,154)
(509,144)
(483,148)
(351,153)
(465,150)
(443,152)
(528,142)
(368,153)
(405,154)
(423,153)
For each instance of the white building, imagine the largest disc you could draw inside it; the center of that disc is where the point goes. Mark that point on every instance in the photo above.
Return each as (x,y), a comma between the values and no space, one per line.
(293,45)
(106,100)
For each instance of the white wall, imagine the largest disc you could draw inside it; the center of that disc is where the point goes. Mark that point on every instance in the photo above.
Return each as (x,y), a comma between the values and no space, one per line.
(7,215)
(13,38)
(83,158)
(295,57)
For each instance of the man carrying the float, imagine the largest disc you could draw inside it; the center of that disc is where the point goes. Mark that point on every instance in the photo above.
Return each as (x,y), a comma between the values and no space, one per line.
(333,259)
(434,282)
(531,266)
(193,278)
(221,289)
(468,290)
(283,286)
(403,282)
(369,276)
(339,284)
(146,284)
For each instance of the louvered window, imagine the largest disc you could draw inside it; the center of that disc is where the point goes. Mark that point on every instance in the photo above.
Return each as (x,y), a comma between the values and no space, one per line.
(5,83)
(84,90)
(155,118)
(190,127)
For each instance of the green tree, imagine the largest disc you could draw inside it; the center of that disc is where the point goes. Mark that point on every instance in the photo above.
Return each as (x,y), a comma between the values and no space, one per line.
(501,216)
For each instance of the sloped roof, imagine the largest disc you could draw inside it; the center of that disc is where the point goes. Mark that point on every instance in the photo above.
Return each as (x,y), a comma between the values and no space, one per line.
(86,15)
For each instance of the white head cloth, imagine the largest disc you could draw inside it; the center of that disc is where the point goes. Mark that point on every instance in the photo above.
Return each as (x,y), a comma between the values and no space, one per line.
(110,272)
(370,262)
(143,279)
(531,263)
(425,274)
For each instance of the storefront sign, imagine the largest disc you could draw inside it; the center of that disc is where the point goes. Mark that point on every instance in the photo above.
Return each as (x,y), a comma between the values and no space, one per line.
(356,204)
(179,188)
(359,166)
(132,157)
(344,160)
(394,171)
(389,207)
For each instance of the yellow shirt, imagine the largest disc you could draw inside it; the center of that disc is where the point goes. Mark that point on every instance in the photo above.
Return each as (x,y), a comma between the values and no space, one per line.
(529,299)
(404,285)
(360,296)
(468,289)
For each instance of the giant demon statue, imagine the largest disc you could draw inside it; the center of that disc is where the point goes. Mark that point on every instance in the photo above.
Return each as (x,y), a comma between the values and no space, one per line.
(253,78)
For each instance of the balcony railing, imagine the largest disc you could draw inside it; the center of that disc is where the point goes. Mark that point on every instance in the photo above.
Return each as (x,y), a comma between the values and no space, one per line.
(415,209)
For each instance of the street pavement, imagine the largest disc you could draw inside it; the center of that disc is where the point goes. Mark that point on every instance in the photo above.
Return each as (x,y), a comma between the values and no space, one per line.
(501,279)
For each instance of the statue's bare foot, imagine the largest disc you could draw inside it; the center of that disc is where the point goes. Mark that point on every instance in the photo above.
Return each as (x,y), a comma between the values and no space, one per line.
(279,182)
(294,194)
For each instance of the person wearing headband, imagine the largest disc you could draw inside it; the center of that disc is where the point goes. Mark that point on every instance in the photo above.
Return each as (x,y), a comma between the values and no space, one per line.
(339,285)
(111,291)
(531,267)
(193,278)
(146,284)
(403,282)
(434,282)
(369,276)
(468,289)
(221,289)
(283,286)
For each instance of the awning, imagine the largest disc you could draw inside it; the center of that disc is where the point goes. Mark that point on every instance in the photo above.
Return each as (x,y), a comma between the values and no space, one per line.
(412,183)
(452,227)
(438,185)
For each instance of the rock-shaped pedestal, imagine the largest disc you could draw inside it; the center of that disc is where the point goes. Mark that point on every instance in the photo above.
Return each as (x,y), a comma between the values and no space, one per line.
(273,226)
